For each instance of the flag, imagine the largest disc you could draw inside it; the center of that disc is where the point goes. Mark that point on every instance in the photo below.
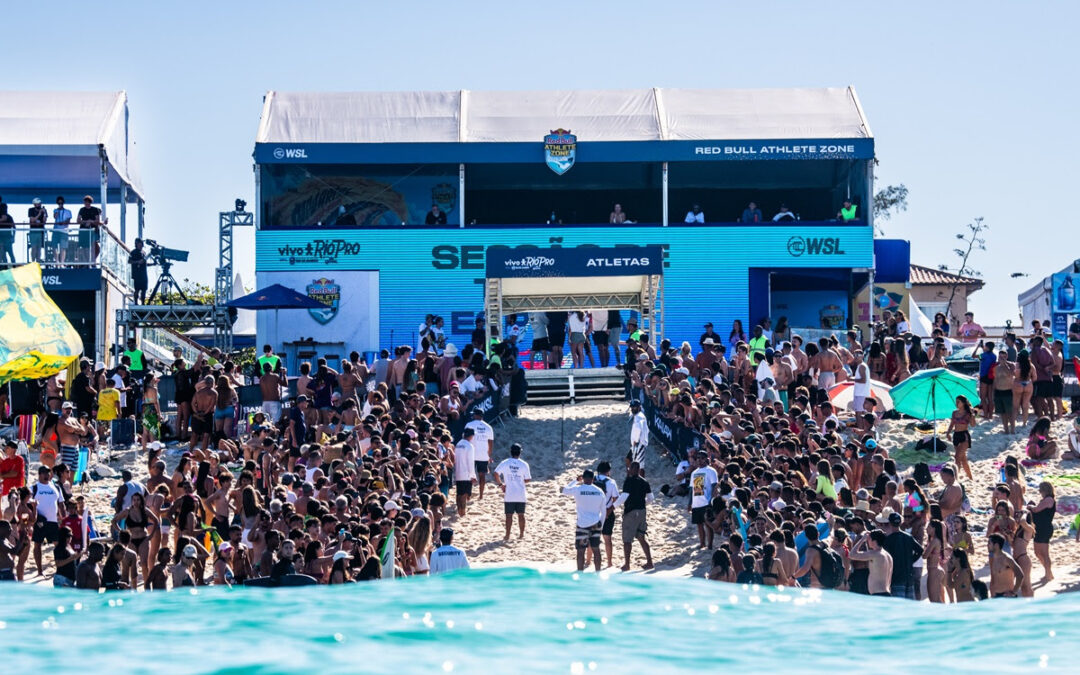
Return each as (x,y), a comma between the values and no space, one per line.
(386,555)
(36,339)
(211,538)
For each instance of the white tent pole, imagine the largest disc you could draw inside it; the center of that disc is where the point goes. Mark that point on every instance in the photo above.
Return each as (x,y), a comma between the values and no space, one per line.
(461,195)
(123,212)
(104,183)
(664,191)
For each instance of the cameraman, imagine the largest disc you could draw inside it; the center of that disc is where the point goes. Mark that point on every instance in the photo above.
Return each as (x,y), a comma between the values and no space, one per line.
(138,262)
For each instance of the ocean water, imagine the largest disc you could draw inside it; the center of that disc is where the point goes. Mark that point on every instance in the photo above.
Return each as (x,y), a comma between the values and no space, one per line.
(512,620)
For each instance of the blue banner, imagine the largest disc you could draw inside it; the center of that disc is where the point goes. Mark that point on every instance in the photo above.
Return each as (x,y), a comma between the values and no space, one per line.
(575,262)
(585,151)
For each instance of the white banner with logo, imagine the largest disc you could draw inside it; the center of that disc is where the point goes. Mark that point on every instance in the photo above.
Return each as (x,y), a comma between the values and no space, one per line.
(348,320)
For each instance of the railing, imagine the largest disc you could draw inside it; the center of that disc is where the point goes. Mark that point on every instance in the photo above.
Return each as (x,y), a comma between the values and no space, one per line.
(502,226)
(73,247)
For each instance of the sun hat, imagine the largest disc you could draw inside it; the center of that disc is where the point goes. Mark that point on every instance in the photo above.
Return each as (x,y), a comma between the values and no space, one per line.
(862,505)
(451,349)
(886,514)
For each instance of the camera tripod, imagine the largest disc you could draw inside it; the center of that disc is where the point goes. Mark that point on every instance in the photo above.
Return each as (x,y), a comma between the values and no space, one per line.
(167,284)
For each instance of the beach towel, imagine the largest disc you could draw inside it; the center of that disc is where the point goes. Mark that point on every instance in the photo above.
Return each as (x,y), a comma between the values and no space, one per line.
(386,555)
(80,469)
(27,428)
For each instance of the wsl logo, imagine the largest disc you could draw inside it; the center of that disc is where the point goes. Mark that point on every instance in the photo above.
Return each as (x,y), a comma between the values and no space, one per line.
(798,246)
(329,294)
(290,153)
(560,150)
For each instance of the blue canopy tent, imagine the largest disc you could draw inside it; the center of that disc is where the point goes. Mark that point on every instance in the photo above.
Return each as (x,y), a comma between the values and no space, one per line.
(71,144)
(275,297)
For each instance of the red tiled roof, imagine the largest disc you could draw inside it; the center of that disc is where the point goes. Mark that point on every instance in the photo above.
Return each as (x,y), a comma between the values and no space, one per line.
(928,276)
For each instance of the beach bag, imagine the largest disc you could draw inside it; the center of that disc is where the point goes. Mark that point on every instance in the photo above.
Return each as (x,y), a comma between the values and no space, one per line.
(832,567)
(922,474)
(965,504)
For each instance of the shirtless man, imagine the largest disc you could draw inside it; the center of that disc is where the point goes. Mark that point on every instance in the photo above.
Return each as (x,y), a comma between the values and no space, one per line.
(202,412)
(1004,376)
(802,361)
(270,388)
(395,374)
(1006,577)
(869,548)
(827,364)
(54,394)
(69,432)
(88,574)
(812,562)
(349,382)
(218,502)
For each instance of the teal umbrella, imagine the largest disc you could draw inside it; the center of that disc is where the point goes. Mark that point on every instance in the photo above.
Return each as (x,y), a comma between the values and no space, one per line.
(931,394)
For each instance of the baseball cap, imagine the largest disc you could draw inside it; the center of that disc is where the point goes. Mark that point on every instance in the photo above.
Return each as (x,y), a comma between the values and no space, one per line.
(67,405)
(189,551)
(302,398)
(224,547)
(391,505)
(342,555)
(37,201)
(635,403)
(776,485)
(100,365)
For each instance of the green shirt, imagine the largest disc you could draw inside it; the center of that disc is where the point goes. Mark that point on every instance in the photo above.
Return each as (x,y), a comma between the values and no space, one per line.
(273,359)
(849,212)
(757,346)
(136,357)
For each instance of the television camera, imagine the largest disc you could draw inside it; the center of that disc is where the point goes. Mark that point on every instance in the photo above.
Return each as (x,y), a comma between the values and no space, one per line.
(164,257)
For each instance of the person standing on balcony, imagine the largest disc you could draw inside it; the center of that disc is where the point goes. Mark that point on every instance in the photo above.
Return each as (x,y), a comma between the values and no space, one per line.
(848,211)
(137,260)
(618,216)
(7,236)
(89,225)
(37,216)
(435,216)
(61,221)
(751,214)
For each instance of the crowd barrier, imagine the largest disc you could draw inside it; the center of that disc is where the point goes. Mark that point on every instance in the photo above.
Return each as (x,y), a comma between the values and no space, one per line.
(679,440)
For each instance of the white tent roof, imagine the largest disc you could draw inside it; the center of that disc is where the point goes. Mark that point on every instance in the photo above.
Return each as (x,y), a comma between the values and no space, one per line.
(594,115)
(45,129)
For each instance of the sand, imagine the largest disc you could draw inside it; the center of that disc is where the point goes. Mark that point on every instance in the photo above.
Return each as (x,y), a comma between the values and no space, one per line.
(560,441)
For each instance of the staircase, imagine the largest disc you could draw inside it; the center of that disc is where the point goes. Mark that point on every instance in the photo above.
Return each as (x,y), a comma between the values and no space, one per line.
(565,385)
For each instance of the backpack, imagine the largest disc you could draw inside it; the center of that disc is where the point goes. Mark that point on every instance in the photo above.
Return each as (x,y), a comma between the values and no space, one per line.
(832,567)
(922,474)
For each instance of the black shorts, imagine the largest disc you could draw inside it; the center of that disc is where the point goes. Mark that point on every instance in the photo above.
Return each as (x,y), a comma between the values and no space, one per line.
(45,531)
(463,487)
(1003,401)
(609,524)
(587,537)
(1057,386)
(986,379)
(600,337)
(294,452)
(481,467)
(557,339)
(541,344)
(514,507)
(1043,389)
(697,515)
(201,425)
(959,437)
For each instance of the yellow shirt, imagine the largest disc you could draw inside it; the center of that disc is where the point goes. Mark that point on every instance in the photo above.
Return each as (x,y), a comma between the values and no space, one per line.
(108,400)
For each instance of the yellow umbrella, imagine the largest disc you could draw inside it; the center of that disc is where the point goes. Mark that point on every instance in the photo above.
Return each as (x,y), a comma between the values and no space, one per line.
(36,339)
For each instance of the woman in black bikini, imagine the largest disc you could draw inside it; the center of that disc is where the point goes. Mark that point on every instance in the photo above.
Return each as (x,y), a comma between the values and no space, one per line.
(111,573)
(1024,532)
(772,570)
(1042,515)
(141,523)
(962,418)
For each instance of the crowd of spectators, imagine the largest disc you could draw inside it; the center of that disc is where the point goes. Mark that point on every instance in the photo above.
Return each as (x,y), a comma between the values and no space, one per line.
(785,488)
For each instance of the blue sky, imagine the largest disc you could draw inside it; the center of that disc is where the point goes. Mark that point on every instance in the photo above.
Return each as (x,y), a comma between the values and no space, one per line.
(972,103)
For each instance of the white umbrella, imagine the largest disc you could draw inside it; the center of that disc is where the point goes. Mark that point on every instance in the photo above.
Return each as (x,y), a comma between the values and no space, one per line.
(842,396)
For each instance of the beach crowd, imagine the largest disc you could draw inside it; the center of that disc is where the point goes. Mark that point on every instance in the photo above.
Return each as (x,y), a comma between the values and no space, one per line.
(356,471)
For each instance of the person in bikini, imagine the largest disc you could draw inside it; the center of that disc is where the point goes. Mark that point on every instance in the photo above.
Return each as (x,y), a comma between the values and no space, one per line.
(962,418)
(1003,380)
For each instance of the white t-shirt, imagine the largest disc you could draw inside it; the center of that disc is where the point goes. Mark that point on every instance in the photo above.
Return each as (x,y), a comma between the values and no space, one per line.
(861,389)
(482,434)
(118,382)
(599,321)
(48,499)
(576,325)
(514,472)
(463,461)
(763,370)
(448,558)
(539,323)
(610,489)
(692,217)
(683,466)
(702,482)
(591,503)
(639,432)
(470,385)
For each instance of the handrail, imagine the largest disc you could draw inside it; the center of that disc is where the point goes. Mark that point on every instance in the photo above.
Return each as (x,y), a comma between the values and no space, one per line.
(73,246)
(858,222)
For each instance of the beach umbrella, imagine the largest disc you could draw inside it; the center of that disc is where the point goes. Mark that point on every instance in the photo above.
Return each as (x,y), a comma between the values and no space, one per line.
(842,396)
(36,339)
(931,394)
(275,297)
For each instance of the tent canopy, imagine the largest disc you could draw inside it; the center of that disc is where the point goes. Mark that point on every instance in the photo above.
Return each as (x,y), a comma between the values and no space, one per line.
(53,142)
(593,115)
